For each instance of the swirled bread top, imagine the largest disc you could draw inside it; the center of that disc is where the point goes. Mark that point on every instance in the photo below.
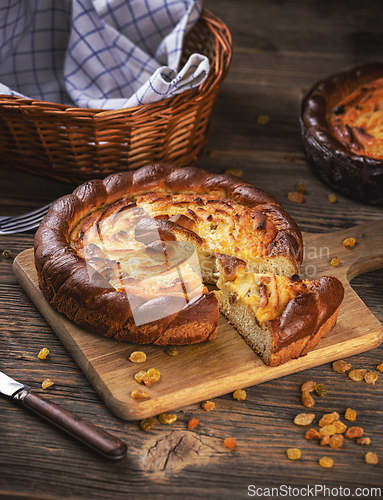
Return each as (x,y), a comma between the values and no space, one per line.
(357,120)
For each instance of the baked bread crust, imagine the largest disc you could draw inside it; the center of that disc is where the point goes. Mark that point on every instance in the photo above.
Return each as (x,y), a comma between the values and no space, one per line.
(90,300)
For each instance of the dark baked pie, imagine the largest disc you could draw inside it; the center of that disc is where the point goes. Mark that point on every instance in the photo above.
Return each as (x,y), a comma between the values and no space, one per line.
(129,257)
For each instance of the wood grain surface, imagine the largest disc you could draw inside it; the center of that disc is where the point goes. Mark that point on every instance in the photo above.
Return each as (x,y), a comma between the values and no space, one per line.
(212,369)
(281,49)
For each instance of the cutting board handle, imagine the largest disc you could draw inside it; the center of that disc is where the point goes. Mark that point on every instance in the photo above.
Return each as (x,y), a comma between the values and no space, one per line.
(365,256)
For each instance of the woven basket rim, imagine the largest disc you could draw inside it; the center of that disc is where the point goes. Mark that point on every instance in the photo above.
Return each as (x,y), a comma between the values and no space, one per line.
(203,90)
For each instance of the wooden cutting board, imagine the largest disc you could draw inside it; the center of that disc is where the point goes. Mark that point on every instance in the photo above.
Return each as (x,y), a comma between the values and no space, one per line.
(211,369)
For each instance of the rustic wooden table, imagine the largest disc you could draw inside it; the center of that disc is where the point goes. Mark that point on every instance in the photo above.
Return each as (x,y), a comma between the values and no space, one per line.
(280,50)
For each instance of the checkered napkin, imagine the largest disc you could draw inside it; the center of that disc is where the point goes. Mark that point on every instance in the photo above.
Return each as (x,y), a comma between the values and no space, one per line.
(104,54)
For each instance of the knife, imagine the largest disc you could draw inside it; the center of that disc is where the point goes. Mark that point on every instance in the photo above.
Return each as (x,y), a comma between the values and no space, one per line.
(104,443)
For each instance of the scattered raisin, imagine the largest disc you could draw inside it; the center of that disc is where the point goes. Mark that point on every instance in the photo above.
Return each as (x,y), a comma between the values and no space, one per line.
(313,434)
(43,353)
(309,385)
(354,432)
(47,383)
(7,254)
(208,405)
(336,441)
(341,366)
(137,357)
(340,427)
(234,171)
(380,367)
(326,462)
(335,261)
(363,440)
(328,418)
(296,197)
(357,375)
(210,153)
(350,415)
(289,157)
(371,458)
(325,440)
(293,453)
(332,198)
(300,187)
(320,390)
(230,443)
(239,394)
(263,119)
(371,378)
(152,375)
(167,418)
(304,418)
(171,350)
(147,423)
(193,422)
(139,376)
(327,430)
(307,399)
(139,394)
(349,242)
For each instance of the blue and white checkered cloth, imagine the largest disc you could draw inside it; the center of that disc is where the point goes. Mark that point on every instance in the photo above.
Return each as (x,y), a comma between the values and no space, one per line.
(103,54)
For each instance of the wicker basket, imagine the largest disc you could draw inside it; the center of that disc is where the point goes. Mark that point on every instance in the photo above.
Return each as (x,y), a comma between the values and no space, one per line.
(77,144)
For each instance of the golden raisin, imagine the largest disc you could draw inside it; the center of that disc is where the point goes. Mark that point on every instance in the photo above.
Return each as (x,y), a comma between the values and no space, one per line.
(234,171)
(307,399)
(289,157)
(309,385)
(263,119)
(139,394)
(313,434)
(354,432)
(139,376)
(340,427)
(152,375)
(350,415)
(371,458)
(137,357)
(210,153)
(147,423)
(293,453)
(300,187)
(341,366)
(328,418)
(47,383)
(357,375)
(320,390)
(304,418)
(335,261)
(43,353)
(363,440)
(239,394)
(167,418)
(296,197)
(371,378)
(380,367)
(332,198)
(326,462)
(325,440)
(171,350)
(327,430)
(230,443)
(208,405)
(193,422)
(349,242)
(336,441)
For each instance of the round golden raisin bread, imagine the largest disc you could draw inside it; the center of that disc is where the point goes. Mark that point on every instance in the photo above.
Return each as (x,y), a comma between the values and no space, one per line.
(129,256)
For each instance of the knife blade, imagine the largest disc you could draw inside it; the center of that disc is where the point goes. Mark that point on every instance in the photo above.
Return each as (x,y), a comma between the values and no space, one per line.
(99,440)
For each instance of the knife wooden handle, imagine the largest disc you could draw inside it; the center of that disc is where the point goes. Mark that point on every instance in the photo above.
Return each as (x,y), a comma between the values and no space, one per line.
(99,440)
